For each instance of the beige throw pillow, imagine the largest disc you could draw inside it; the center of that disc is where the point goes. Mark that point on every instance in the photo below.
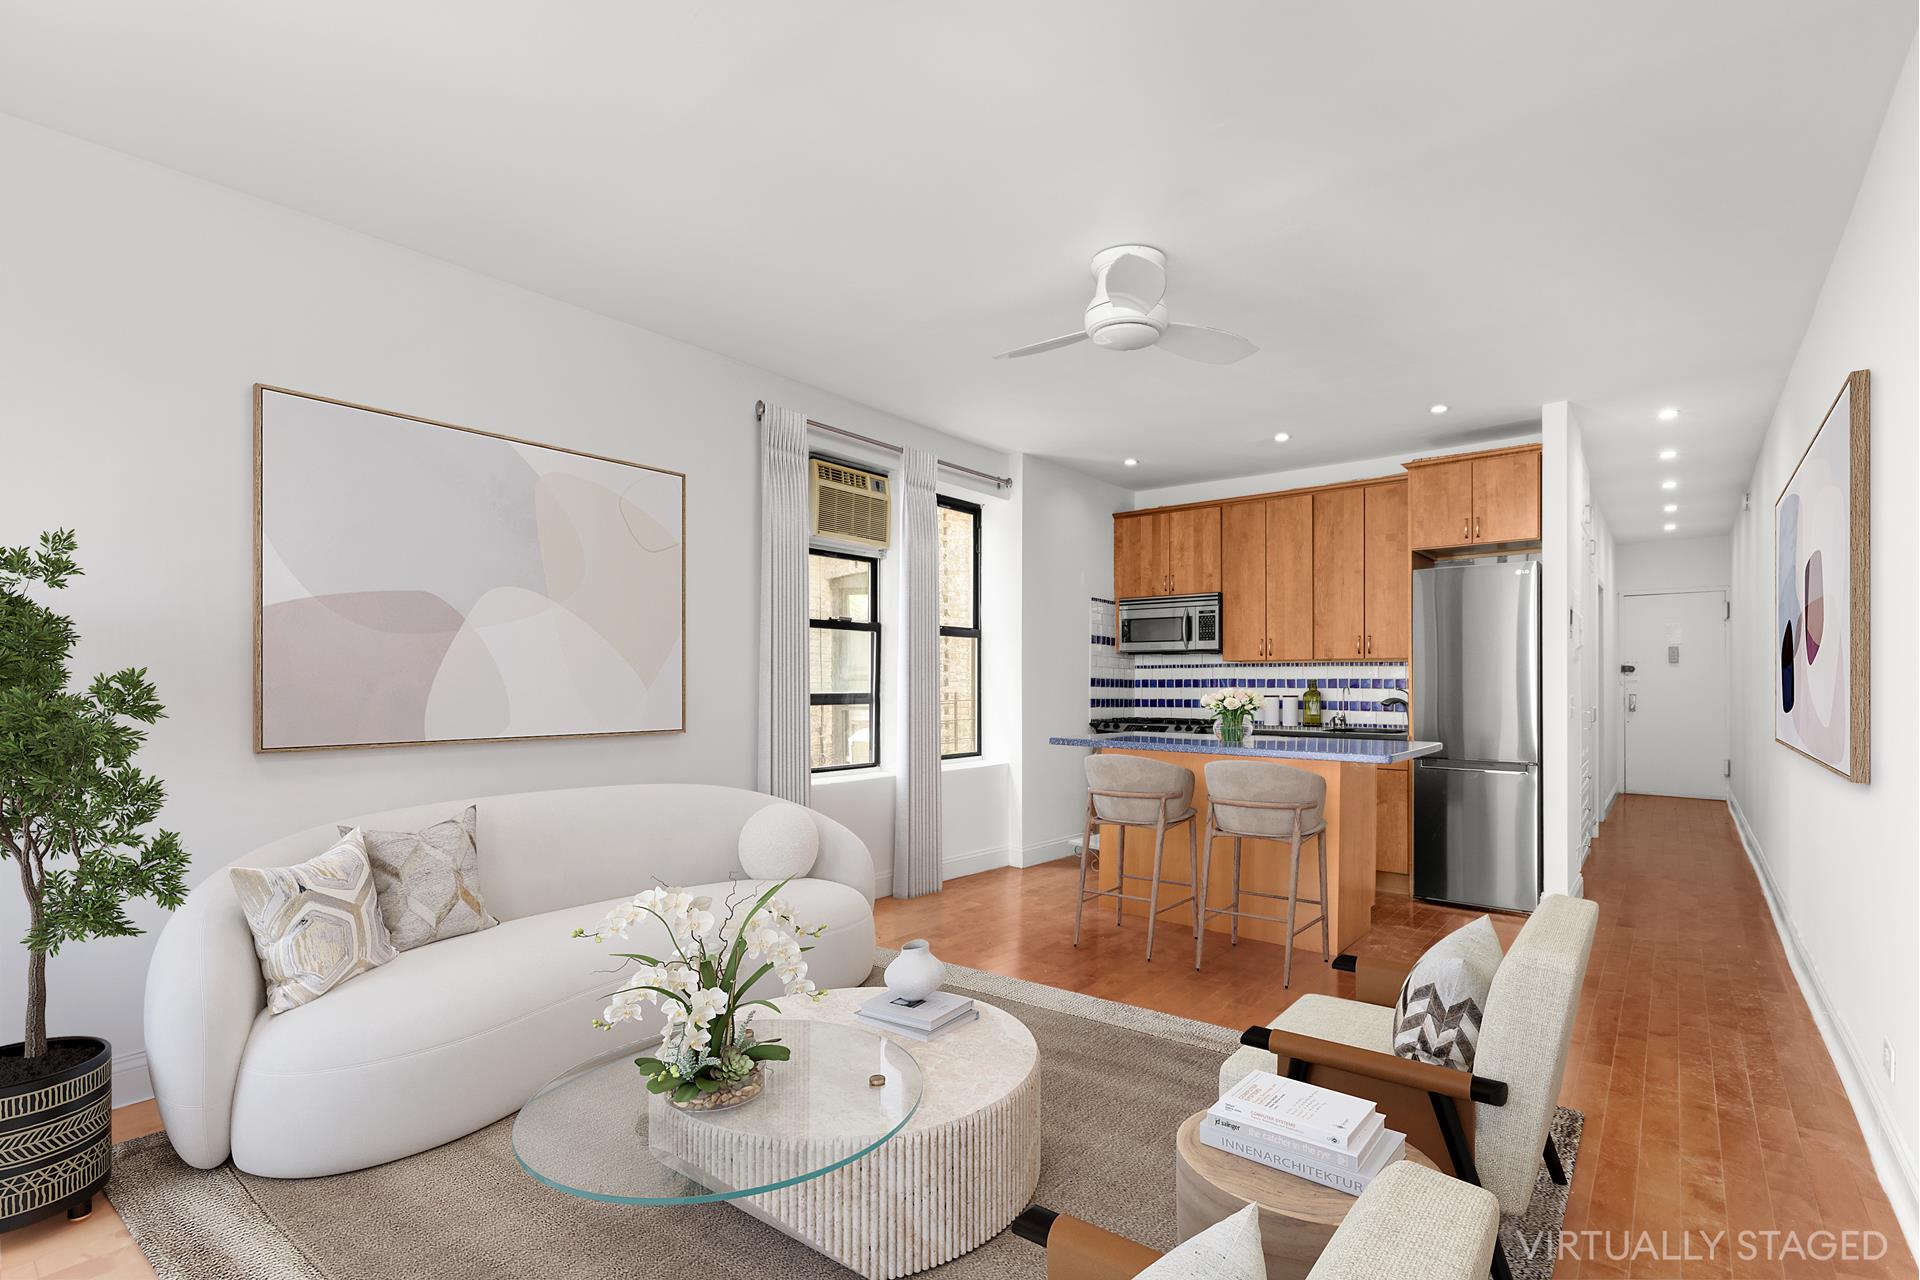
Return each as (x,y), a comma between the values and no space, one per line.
(314,925)
(429,881)
(1227,1250)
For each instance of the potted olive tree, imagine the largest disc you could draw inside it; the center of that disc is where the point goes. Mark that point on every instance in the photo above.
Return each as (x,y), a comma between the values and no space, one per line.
(74,819)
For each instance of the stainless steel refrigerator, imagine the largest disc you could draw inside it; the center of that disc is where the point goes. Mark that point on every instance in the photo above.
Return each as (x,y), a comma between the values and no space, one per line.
(1476,690)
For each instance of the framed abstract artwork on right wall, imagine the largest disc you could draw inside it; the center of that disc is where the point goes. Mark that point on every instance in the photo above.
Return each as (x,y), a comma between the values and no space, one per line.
(1820,592)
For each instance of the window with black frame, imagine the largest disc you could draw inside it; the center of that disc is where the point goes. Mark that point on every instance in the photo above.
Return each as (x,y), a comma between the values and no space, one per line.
(959,629)
(843,660)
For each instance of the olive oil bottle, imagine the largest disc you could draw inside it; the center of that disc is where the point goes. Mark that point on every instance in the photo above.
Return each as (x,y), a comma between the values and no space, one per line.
(1310,705)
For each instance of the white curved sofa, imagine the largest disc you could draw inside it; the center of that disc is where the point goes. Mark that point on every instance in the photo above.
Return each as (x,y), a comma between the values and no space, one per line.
(449,1037)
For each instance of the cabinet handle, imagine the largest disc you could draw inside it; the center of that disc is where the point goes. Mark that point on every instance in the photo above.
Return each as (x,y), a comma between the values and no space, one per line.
(1369,644)
(1356,644)
(1476,528)
(1465,521)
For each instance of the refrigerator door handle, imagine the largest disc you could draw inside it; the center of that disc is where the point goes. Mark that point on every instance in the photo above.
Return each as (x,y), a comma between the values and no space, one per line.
(1444,767)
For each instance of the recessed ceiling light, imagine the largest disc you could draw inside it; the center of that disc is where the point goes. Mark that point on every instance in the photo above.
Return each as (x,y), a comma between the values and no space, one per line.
(1133,462)
(1670,508)
(1438,408)
(1667,415)
(1669,484)
(1669,527)
(1281,437)
(1668,455)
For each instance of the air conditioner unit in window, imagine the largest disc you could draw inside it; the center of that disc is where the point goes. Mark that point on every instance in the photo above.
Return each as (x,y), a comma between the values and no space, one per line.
(851,507)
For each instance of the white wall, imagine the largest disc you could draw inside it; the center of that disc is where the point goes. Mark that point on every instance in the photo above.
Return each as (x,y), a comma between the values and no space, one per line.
(1837,858)
(138,309)
(1674,564)
(1306,477)
(1577,558)
(1068,560)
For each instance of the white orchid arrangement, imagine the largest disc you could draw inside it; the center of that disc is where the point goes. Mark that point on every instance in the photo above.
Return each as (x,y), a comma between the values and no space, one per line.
(708,1043)
(1233,707)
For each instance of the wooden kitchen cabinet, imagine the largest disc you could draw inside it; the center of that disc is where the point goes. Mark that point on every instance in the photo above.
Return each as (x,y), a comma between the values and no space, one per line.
(1141,551)
(1289,577)
(1166,553)
(1339,573)
(1506,497)
(1473,500)
(1266,580)
(1440,504)
(1393,819)
(1243,582)
(1389,574)
(1193,561)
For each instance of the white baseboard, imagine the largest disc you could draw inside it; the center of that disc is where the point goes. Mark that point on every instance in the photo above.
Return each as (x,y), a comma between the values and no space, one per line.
(131,1083)
(1048,851)
(1892,1162)
(954,867)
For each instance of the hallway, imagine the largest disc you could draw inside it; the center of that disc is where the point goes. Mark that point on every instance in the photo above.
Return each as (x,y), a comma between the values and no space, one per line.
(1711,1103)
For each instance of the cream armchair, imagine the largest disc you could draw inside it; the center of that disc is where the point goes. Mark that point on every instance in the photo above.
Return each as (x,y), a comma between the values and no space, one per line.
(1409,1221)
(1500,1140)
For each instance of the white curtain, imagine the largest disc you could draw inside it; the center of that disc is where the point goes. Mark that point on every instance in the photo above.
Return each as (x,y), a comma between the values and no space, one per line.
(916,810)
(786,762)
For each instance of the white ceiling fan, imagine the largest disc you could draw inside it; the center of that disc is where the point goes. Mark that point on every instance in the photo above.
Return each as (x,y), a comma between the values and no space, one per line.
(1127,313)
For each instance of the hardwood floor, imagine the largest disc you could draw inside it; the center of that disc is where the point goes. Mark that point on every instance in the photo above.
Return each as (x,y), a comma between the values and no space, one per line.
(1712,1106)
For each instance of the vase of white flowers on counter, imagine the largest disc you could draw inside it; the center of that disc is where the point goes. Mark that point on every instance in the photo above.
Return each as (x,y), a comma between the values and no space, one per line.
(1231,709)
(709,1057)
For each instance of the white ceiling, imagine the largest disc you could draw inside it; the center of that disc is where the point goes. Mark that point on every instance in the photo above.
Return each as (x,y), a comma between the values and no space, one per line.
(1493,204)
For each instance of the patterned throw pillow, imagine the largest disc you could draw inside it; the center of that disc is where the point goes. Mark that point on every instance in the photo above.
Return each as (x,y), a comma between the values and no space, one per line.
(1437,1018)
(429,881)
(314,925)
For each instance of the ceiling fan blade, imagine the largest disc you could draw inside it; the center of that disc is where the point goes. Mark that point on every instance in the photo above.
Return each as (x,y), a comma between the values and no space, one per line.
(1209,346)
(1064,340)
(1141,279)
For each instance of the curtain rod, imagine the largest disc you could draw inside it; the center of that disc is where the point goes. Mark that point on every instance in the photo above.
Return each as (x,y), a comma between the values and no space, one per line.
(998,482)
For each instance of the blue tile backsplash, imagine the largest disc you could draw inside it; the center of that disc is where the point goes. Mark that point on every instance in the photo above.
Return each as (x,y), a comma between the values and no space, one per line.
(1118,683)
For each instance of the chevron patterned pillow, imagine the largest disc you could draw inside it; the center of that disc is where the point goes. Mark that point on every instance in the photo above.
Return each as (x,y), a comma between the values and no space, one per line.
(1437,1018)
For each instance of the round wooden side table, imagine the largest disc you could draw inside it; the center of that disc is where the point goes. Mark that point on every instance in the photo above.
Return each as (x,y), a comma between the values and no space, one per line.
(1297,1217)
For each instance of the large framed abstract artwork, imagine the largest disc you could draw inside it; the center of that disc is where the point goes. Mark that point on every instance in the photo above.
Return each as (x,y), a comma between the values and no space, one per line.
(1820,689)
(418,582)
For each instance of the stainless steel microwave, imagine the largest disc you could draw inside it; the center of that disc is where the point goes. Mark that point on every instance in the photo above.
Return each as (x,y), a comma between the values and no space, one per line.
(1170,624)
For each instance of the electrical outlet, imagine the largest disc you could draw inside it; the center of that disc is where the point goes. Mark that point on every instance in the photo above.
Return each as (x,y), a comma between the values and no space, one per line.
(1886,1058)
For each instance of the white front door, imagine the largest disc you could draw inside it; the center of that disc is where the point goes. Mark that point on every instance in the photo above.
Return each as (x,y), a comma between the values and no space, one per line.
(1676,695)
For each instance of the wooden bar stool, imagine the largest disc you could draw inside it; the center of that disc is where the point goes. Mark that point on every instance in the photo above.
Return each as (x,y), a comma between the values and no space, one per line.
(1131,791)
(1266,801)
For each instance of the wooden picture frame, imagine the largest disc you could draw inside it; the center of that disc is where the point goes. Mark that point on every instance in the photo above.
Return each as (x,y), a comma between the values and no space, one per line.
(1805,513)
(572,466)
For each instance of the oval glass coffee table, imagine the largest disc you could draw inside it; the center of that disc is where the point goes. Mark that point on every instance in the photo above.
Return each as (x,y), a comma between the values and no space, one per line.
(597,1133)
(886,1181)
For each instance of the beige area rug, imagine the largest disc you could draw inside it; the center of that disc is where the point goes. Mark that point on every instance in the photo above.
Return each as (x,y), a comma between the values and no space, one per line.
(1117,1081)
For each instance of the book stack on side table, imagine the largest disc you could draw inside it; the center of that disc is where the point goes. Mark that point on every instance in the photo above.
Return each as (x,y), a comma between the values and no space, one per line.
(925,1019)
(1298,1128)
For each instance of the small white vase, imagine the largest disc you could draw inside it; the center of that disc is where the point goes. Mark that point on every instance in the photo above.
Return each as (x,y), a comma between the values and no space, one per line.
(915,974)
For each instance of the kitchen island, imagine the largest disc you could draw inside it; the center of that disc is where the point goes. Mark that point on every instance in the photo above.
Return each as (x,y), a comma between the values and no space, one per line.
(1347,764)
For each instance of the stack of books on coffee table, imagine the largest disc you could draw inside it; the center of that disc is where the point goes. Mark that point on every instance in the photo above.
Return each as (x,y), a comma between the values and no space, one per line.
(925,1019)
(1330,1138)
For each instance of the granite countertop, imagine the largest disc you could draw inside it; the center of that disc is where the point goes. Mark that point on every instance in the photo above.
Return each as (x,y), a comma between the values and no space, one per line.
(1333,747)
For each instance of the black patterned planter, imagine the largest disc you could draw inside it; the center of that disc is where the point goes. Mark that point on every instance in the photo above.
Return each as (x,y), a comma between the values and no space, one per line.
(56,1134)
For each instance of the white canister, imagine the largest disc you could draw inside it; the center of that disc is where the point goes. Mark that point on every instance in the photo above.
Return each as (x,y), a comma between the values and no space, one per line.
(1290,710)
(1270,710)
(915,973)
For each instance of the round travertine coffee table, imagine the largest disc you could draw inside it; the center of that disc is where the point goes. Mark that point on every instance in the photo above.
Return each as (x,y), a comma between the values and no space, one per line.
(1297,1217)
(885,1180)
